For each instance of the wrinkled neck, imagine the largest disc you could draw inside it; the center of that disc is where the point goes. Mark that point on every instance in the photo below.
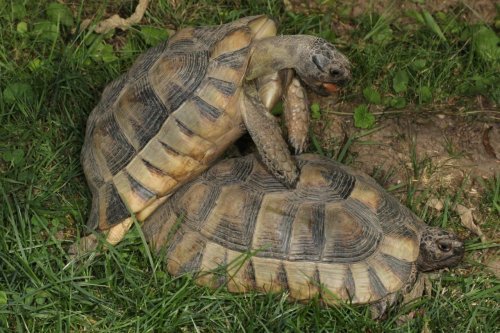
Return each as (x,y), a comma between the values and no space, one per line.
(275,53)
(424,265)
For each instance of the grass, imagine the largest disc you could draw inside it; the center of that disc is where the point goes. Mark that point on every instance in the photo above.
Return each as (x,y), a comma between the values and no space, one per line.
(52,76)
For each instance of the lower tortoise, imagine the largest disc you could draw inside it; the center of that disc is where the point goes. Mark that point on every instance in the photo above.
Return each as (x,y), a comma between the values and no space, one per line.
(338,234)
(184,101)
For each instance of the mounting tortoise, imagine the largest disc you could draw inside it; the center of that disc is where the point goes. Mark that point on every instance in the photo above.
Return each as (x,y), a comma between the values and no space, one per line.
(337,234)
(186,100)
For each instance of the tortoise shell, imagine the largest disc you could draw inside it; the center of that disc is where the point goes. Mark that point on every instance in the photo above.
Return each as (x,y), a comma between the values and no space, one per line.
(167,119)
(338,234)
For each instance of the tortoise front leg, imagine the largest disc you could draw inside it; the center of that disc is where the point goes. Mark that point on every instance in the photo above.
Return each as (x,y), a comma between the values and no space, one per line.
(378,310)
(265,132)
(284,85)
(296,112)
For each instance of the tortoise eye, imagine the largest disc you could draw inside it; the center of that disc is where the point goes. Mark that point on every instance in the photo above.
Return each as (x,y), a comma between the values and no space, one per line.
(445,247)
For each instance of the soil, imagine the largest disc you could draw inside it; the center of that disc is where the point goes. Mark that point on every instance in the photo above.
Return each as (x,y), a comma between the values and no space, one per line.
(475,11)
(448,147)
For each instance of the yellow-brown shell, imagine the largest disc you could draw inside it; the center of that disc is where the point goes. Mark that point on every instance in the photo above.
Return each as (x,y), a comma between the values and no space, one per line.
(338,234)
(167,119)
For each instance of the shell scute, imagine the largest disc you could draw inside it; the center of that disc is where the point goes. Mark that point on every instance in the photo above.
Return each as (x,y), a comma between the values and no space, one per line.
(399,247)
(150,176)
(351,232)
(232,225)
(115,151)
(241,273)
(111,205)
(132,192)
(186,251)
(233,41)
(362,283)
(142,113)
(235,173)
(392,276)
(301,279)
(270,275)
(145,61)
(176,77)
(213,265)
(332,287)
(322,183)
(172,163)
(307,235)
(272,238)
(186,141)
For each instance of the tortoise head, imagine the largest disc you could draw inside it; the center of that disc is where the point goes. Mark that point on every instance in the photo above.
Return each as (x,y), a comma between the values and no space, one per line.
(439,249)
(322,67)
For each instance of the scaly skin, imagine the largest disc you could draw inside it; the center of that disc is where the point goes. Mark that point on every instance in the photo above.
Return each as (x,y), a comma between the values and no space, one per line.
(315,61)
(268,138)
(296,111)
(283,85)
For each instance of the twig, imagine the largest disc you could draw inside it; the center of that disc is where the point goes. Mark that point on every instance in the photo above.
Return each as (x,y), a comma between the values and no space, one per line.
(116,21)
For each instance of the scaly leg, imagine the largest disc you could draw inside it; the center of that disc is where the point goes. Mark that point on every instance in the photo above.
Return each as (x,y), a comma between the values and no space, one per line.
(265,132)
(284,85)
(296,112)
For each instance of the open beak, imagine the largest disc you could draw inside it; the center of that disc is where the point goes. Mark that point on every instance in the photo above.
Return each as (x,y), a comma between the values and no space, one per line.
(330,87)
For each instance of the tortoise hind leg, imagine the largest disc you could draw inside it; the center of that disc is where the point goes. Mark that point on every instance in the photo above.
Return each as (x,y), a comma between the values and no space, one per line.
(116,233)
(266,133)
(379,309)
(90,242)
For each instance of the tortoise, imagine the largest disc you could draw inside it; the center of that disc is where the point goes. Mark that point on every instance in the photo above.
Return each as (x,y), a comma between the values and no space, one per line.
(338,235)
(184,101)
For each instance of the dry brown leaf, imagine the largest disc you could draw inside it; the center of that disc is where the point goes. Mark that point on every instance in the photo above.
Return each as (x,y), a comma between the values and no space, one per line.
(116,21)
(435,203)
(467,220)
(466,216)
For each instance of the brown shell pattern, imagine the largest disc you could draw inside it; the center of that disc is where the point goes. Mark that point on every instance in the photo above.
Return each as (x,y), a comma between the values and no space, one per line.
(338,234)
(166,120)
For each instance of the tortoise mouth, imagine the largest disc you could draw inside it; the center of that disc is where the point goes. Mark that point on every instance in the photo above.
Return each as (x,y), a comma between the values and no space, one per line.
(330,87)
(327,88)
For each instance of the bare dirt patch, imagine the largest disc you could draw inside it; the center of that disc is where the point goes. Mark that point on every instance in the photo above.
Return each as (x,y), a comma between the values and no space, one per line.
(445,148)
(475,11)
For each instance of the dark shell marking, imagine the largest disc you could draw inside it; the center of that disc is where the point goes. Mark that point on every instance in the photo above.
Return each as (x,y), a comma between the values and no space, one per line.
(337,233)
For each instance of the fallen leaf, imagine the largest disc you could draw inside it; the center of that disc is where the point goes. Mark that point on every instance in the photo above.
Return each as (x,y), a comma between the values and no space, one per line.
(435,203)
(467,220)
